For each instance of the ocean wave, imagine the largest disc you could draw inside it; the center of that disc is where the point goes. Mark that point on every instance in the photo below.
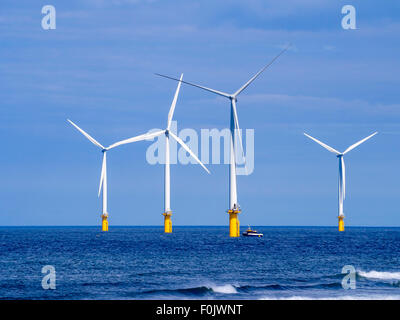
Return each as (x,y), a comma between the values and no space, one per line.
(227,288)
(380,275)
(197,291)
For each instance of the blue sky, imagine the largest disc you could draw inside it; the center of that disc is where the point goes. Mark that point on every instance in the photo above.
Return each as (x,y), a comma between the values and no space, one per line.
(97,68)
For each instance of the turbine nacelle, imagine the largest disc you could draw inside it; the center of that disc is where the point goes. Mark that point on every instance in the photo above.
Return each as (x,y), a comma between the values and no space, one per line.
(233,98)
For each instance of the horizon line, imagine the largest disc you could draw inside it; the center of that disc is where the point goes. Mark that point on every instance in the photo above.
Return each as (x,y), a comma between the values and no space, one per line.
(202,226)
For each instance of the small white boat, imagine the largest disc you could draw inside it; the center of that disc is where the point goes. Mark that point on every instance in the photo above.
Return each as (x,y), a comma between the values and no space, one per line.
(252,233)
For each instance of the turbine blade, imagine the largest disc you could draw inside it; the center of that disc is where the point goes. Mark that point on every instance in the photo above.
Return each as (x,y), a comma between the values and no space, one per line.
(103,170)
(197,86)
(86,135)
(137,138)
(323,144)
(358,143)
(184,146)
(259,72)
(235,116)
(172,109)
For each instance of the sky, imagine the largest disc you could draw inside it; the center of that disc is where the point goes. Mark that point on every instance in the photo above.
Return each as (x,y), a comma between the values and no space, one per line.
(97,69)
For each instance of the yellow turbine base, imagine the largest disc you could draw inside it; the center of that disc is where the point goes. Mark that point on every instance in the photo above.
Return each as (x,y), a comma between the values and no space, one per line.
(234,224)
(104,222)
(341,223)
(167,222)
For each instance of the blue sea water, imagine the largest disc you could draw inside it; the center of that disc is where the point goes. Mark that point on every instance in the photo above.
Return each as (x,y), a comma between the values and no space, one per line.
(199,263)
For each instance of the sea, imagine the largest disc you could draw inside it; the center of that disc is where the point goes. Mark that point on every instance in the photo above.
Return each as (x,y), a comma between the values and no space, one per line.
(81,263)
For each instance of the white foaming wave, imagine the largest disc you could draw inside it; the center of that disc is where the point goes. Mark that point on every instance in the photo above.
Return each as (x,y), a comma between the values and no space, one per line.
(227,288)
(380,275)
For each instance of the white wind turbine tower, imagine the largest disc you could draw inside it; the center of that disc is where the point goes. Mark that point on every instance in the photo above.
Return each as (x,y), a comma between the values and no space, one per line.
(342,173)
(103,177)
(167,203)
(234,208)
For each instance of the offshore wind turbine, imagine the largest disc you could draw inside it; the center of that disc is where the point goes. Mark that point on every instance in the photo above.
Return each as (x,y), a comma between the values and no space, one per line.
(234,208)
(103,177)
(167,182)
(342,173)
